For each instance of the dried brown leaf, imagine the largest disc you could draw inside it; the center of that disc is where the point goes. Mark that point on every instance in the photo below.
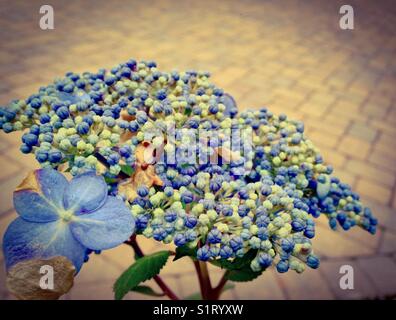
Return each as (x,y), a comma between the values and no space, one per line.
(25,281)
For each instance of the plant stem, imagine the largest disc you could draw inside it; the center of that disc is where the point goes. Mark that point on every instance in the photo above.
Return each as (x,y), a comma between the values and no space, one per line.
(204,279)
(165,289)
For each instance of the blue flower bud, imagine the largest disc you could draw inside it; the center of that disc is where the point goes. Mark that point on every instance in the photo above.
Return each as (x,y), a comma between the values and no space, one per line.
(170,216)
(30,139)
(83,128)
(41,156)
(287,245)
(187,197)
(62,112)
(282,266)
(159,234)
(262,233)
(236,243)
(168,191)
(143,191)
(214,236)
(25,148)
(203,253)
(225,252)
(45,118)
(180,240)
(264,259)
(55,156)
(190,221)
(313,262)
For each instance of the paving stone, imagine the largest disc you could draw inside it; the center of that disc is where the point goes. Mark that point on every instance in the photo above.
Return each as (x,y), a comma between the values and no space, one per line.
(363,169)
(5,220)
(386,215)
(341,86)
(323,139)
(266,287)
(382,272)
(382,160)
(3,289)
(98,268)
(324,241)
(189,285)
(363,132)
(121,256)
(346,176)
(373,190)
(332,157)
(357,235)
(354,147)
(101,290)
(307,285)
(388,244)
(3,144)
(7,189)
(8,167)
(363,286)
(394,200)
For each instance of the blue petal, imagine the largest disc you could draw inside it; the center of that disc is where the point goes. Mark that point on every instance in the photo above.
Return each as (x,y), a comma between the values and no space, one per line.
(229,103)
(105,228)
(53,185)
(85,193)
(25,240)
(34,207)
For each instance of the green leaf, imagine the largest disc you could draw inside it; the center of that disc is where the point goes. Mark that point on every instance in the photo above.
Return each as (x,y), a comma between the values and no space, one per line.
(128,170)
(228,286)
(194,296)
(184,251)
(237,263)
(243,275)
(143,269)
(109,180)
(147,291)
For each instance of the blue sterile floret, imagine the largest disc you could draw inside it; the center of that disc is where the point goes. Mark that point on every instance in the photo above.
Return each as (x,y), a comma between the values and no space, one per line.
(61,218)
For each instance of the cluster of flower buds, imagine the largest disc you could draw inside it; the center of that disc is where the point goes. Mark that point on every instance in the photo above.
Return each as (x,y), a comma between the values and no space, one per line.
(200,173)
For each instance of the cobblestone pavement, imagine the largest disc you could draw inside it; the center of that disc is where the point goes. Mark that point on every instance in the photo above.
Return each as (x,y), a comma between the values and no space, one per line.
(288,55)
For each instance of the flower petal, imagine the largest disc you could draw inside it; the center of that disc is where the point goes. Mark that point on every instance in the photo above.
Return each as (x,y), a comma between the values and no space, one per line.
(25,240)
(85,193)
(40,195)
(53,185)
(33,207)
(105,228)
(230,104)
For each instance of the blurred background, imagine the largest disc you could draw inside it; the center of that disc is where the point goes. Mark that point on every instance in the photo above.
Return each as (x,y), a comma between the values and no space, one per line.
(290,56)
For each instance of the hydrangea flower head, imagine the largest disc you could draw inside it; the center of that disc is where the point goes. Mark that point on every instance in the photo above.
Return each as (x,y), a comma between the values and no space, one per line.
(227,184)
(61,218)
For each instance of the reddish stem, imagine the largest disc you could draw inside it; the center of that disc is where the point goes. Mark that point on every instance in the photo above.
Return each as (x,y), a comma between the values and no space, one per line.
(205,285)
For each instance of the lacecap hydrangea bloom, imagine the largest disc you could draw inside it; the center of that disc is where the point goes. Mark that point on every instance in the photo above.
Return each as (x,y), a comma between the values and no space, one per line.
(189,168)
